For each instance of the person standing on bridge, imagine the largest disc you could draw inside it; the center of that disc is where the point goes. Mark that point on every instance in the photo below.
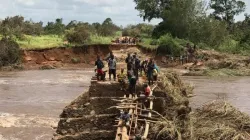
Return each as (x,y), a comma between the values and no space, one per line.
(122,79)
(144,66)
(112,67)
(129,63)
(136,67)
(151,67)
(99,64)
(132,83)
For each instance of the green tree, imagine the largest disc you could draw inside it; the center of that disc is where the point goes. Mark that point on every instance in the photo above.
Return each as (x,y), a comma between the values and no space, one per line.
(97,27)
(78,35)
(227,9)
(150,9)
(55,28)
(108,28)
(32,28)
(209,31)
(9,52)
(12,27)
(72,24)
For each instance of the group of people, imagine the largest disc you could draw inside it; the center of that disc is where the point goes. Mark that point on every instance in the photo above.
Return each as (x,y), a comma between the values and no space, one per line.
(134,67)
(101,75)
(126,40)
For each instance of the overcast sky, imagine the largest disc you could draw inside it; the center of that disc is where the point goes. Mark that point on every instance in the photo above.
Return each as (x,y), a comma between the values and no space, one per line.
(122,12)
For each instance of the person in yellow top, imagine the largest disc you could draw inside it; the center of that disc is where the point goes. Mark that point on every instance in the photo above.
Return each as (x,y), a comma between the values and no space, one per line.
(155,74)
(122,79)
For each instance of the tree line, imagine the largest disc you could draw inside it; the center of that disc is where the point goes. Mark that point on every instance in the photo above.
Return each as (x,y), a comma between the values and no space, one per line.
(74,32)
(209,24)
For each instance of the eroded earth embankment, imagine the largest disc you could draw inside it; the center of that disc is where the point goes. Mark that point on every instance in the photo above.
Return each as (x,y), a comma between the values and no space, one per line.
(81,56)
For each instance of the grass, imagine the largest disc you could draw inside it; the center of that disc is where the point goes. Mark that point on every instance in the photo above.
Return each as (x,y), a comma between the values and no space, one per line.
(96,39)
(41,42)
(146,44)
(53,41)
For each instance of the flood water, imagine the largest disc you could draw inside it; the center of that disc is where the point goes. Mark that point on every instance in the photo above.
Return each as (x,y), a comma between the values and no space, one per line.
(31,101)
(235,90)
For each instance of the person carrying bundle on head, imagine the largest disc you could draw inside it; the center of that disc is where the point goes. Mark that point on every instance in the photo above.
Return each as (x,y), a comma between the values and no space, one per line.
(122,79)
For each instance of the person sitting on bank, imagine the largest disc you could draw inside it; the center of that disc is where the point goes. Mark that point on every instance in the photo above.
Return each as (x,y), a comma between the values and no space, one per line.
(99,64)
(122,79)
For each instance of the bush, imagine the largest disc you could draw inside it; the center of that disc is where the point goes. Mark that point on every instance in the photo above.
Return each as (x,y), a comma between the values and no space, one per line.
(79,35)
(230,46)
(169,46)
(9,52)
(125,32)
(154,42)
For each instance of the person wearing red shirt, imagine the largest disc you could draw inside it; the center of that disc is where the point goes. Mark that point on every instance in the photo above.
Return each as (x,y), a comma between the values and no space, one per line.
(147,90)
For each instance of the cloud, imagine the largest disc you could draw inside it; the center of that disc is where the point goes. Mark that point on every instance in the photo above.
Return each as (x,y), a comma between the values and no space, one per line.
(27,2)
(100,2)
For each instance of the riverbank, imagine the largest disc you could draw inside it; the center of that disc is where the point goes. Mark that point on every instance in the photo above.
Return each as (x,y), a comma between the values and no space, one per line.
(209,62)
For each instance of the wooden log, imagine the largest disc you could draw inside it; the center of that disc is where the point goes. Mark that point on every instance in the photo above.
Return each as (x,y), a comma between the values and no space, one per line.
(125,107)
(121,133)
(145,135)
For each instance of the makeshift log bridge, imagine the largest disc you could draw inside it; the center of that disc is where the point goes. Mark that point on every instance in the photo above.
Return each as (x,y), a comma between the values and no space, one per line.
(135,110)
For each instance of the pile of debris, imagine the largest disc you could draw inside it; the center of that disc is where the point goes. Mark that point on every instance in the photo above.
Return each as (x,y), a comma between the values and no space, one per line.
(217,120)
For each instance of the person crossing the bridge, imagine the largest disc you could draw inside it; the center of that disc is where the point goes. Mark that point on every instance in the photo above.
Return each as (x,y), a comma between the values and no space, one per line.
(125,117)
(136,65)
(129,63)
(132,83)
(144,95)
(155,72)
(144,66)
(122,79)
(151,67)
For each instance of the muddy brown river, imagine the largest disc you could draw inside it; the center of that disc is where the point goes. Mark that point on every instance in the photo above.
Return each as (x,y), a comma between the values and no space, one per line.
(235,90)
(31,101)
